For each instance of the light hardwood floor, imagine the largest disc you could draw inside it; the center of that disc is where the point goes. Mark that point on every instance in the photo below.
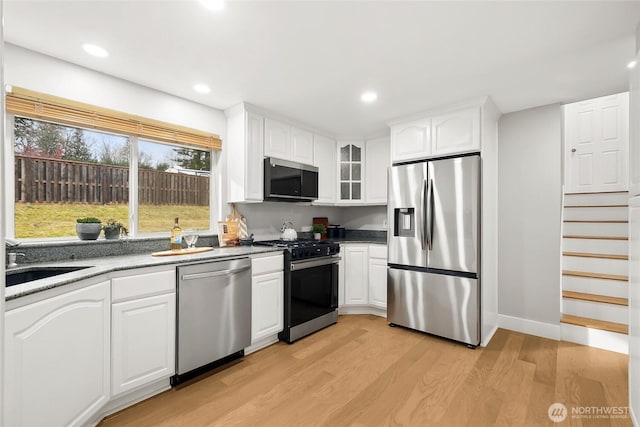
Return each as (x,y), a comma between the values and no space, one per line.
(361,372)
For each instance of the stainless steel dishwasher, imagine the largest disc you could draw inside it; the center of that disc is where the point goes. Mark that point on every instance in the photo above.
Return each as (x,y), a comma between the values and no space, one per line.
(213,315)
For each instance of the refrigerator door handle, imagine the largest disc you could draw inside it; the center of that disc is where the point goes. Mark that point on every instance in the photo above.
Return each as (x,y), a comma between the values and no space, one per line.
(422,225)
(429,209)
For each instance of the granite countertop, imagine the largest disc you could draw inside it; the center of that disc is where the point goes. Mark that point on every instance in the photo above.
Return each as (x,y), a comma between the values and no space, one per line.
(374,240)
(103,265)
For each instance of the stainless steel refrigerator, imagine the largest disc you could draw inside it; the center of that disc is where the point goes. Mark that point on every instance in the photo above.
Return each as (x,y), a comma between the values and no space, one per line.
(434,247)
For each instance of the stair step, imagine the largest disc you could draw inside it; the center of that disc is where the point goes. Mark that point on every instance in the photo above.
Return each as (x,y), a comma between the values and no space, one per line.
(591,255)
(597,206)
(576,236)
(595,324)
(611,266)
(596,199)
(596,246)
(596,192)
(599,221)
(595,275)
(595,298)
(596,213)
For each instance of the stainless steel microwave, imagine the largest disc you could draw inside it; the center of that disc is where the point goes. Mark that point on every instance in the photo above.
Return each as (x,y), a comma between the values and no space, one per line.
(287,181)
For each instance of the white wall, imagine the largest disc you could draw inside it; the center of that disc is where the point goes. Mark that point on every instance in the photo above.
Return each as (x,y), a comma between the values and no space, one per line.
(529,214)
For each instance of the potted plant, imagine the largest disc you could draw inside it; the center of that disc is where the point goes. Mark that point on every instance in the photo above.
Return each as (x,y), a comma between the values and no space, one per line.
(318,230)
(88,228)
(114,229)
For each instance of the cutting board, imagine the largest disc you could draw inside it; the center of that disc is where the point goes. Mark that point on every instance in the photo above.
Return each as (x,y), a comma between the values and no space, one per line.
(187,251)
(240,219)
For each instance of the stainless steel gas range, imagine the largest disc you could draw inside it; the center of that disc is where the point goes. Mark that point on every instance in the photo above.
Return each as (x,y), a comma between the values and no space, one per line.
(310,285)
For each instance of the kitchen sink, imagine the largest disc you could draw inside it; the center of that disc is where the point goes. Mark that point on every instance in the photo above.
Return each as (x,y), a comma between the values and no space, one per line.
(30,274)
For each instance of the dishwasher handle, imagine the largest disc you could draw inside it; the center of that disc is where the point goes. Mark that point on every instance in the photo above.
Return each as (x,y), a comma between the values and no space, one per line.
(206,274)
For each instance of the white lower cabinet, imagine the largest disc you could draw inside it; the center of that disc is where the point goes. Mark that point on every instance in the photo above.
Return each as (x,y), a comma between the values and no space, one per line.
(363,279)
(267,297)
(356,260)
(378,276)
(57,359)
(143,326)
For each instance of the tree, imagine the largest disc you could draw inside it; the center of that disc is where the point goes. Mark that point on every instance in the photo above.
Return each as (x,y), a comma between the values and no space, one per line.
(113,154)
(191,158)
(76,147)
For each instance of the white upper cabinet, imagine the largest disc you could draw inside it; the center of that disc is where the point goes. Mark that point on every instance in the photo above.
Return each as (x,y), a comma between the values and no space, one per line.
(634,130)
(287,142)
(301,146)
(351,155)
(324,155)
(411,140)
(277,139)
(244,147)
(597,144)
(377,162)
(456,132)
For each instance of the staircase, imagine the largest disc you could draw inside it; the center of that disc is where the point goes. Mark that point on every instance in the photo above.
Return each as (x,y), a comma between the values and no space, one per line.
(595,271)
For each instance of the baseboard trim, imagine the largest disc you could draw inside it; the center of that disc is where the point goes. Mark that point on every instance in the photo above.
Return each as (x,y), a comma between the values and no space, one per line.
(488,337)
(531,327)
(362,309)
(129,399)
(261,343)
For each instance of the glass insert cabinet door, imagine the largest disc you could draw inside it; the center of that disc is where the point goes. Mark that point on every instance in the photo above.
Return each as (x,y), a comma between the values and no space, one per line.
(350,155)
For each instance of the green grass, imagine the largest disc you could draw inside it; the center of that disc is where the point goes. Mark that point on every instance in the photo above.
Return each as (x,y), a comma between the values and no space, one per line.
(42,220)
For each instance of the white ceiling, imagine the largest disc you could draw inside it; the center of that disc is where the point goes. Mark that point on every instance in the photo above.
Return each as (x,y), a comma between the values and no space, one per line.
(310,60)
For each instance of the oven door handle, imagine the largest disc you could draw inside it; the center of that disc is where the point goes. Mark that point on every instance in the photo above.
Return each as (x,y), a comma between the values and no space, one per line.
(301,265)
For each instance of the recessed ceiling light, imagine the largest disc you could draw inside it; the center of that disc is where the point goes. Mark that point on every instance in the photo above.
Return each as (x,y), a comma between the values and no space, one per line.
(213,4)
(369,96)
(95,50)
(201,88)
(632,64)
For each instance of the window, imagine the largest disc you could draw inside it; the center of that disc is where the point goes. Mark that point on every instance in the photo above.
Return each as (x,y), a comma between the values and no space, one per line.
(173,182)
(73,160)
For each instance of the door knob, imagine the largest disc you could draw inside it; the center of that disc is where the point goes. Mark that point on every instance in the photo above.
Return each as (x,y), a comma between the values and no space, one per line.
(573,150)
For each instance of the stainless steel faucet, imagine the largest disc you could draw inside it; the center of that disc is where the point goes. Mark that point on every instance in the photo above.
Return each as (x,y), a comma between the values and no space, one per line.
(12,257)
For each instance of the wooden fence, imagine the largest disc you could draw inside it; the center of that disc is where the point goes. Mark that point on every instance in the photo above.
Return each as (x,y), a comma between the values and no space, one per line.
(62,181)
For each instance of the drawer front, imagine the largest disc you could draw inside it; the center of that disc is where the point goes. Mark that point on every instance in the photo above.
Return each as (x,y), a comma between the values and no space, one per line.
(268,264)
(378,251)
(135,286)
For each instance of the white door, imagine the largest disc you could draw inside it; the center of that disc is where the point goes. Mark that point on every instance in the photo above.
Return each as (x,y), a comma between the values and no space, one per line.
(356,287)
(301,146)
(378,282)
(57,359)
(267,298)
(377,161)
(596,144)
(411,140)
(277,139)
(143,341)
(324,157)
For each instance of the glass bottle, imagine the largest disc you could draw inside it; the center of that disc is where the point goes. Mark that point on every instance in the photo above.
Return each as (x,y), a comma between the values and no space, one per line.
(176,237)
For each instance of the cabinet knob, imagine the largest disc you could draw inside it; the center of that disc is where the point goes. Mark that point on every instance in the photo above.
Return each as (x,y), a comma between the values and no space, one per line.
(573,150)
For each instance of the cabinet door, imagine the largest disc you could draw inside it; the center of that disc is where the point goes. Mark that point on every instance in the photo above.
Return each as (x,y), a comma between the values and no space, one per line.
(143,341)
(356,289)
(301,146)
(378,282)
(411,140)
(596,144)
(457,132)
(634,130)
(377,162)
(351,157)
(254,169)
(277,139)
(267,298)
(57,359)
(324,156)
